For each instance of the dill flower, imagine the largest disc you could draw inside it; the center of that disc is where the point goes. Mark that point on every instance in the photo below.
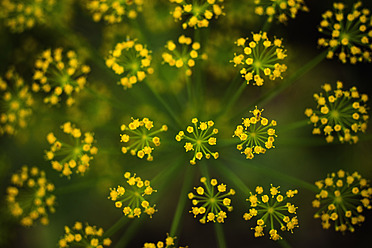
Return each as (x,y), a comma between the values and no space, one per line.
(75,155)
(211,200)
(272,212)
(260,58)
(21,15)
(168,243)
(341,113)
(184,57)
(348,33)
(199,139)
(131,60)
(133,198)
(83,236)
(279,9)
(342,198)
(138,134)
(60,75)
(16,102)
(113,11)
(30,197)
(255,133)
(196,14)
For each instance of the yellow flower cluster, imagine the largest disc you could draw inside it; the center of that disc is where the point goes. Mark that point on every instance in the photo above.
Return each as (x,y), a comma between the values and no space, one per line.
(113,11)
(20,15)
(260,57)
(212,199)
(199,140)
(342,198)
(272,211)
(131,60)
(195,13)
(169,243)
(341,113)
(30,198)
(138,133)
(59,75)
(183,57)
(16,102)
(132,198)
(83,236)
(73,157)
(255,133)
(280,9)
(348,34)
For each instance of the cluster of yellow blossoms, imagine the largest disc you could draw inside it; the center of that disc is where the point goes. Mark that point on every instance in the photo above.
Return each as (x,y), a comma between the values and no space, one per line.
(20,15)
(75,156)
(199,140)
(195,13)
(113,11)
(341,113)
(131,60)
(83,236)
(169,243)
(16,102)
(260,57)
(212,198)
(138,132)
(183,57)
(255,133)
(348,34)
(274,212)
(30,198)
(341,199)
(280,9)
(132,198)
(59,75)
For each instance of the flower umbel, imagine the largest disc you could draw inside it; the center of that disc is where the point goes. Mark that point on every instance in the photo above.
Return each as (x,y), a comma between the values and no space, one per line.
(260,58)
(342,198)
(210,200)
(199,139)
(133,198)
(21,15)
(83,236)
(196,14)
(348,33)
(131,60)
(30,198)
(272,212)
(182,58)
(72,157)
(255,133)
(169,243)
(16,102)
(59,75)
(279,9)
(341,113)
(138,134)
(113,11)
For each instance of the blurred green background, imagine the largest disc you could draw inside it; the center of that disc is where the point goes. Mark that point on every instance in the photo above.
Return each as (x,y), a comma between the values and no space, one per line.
(298,154)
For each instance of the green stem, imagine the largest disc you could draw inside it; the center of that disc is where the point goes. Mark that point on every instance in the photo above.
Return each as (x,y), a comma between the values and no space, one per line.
(233,177)
(283,243)
(116,227)
(233,99)
(276,174)
(182,201)
(291,80)
(292,126)
(124,240)
(267,25)
(165,105)
(113,101)
(220,235)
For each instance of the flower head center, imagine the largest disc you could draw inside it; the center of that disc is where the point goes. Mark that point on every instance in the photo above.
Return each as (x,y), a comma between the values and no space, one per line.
(258,64)
(253,134)
(338,199)
(270,210)
(335,114)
